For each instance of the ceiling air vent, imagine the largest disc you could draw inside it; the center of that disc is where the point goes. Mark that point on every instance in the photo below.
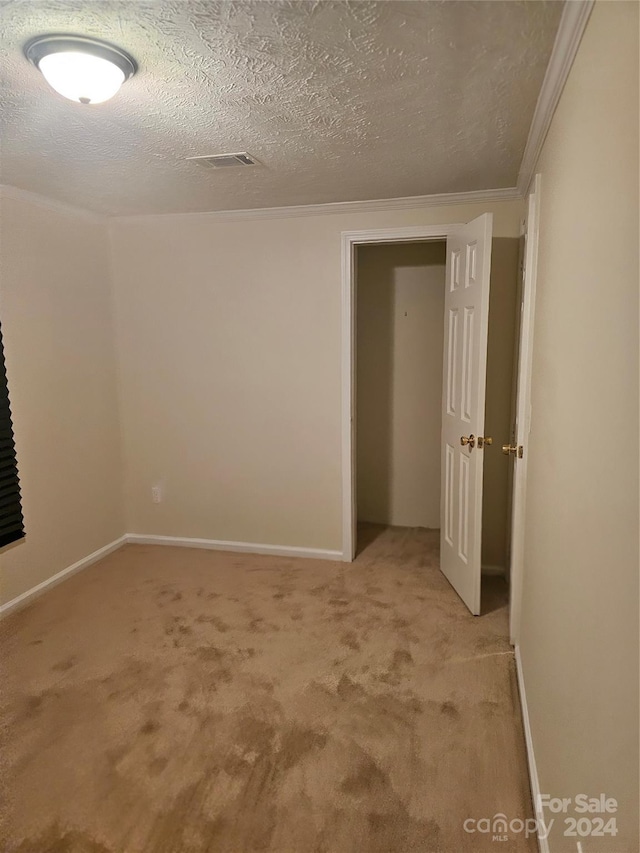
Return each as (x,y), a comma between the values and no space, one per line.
(225,161)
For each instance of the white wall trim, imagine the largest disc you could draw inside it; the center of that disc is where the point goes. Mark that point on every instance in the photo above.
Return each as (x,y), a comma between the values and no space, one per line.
(26,597)
(572,25)
(523,408)
(225,545)
(543,843)
(177,541)
(287,212)
(7,191)
(339,207)
(499,571)
(350,239)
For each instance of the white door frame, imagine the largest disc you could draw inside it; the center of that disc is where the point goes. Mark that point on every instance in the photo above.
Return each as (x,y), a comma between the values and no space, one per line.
(523,407)
(351,239)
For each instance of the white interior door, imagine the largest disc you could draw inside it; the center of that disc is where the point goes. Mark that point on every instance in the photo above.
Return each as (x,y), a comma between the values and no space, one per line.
(466,309)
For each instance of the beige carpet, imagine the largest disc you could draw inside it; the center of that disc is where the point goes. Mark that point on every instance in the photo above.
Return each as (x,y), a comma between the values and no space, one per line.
(173,700)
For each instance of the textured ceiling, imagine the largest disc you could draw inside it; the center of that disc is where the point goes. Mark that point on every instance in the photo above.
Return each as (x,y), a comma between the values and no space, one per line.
(340,101)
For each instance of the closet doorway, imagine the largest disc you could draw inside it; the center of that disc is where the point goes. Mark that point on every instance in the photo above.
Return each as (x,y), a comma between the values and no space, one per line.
(419,365)
(399,346)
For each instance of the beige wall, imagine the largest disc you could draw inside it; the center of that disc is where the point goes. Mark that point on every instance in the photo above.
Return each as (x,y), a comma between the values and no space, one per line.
(229,371)
(228,340)
(55,312)
(579,640)
(400,329)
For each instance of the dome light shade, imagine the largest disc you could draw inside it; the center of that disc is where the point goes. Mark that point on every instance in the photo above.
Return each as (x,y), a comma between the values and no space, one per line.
(81,69)
(82,77)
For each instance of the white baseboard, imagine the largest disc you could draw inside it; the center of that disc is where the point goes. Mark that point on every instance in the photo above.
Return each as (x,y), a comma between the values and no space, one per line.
(242,547)
(494,570)
(26,597)
(543,843)
(178,541)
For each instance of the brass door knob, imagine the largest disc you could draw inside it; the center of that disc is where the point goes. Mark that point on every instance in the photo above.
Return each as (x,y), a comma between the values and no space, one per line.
(516,449)
(468,440)
(485,441)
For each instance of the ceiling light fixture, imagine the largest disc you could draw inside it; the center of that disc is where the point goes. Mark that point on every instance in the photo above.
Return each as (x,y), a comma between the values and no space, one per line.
(81,69)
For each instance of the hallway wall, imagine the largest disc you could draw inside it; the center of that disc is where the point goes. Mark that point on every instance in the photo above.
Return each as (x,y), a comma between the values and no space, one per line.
(400,330)
(579,634)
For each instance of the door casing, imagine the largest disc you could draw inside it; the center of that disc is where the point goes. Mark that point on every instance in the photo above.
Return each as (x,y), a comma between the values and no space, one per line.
(523,408)
(351,239)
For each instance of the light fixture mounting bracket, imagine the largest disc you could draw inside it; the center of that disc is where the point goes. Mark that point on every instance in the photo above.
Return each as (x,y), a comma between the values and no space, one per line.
(40,46)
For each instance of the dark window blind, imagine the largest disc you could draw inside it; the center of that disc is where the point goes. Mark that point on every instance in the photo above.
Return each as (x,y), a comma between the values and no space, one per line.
(11,522)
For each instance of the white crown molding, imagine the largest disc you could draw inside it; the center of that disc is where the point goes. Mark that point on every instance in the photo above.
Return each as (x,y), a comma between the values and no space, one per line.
(570,31)
(15,193)
(338,207)
(331,208)
(240,547)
